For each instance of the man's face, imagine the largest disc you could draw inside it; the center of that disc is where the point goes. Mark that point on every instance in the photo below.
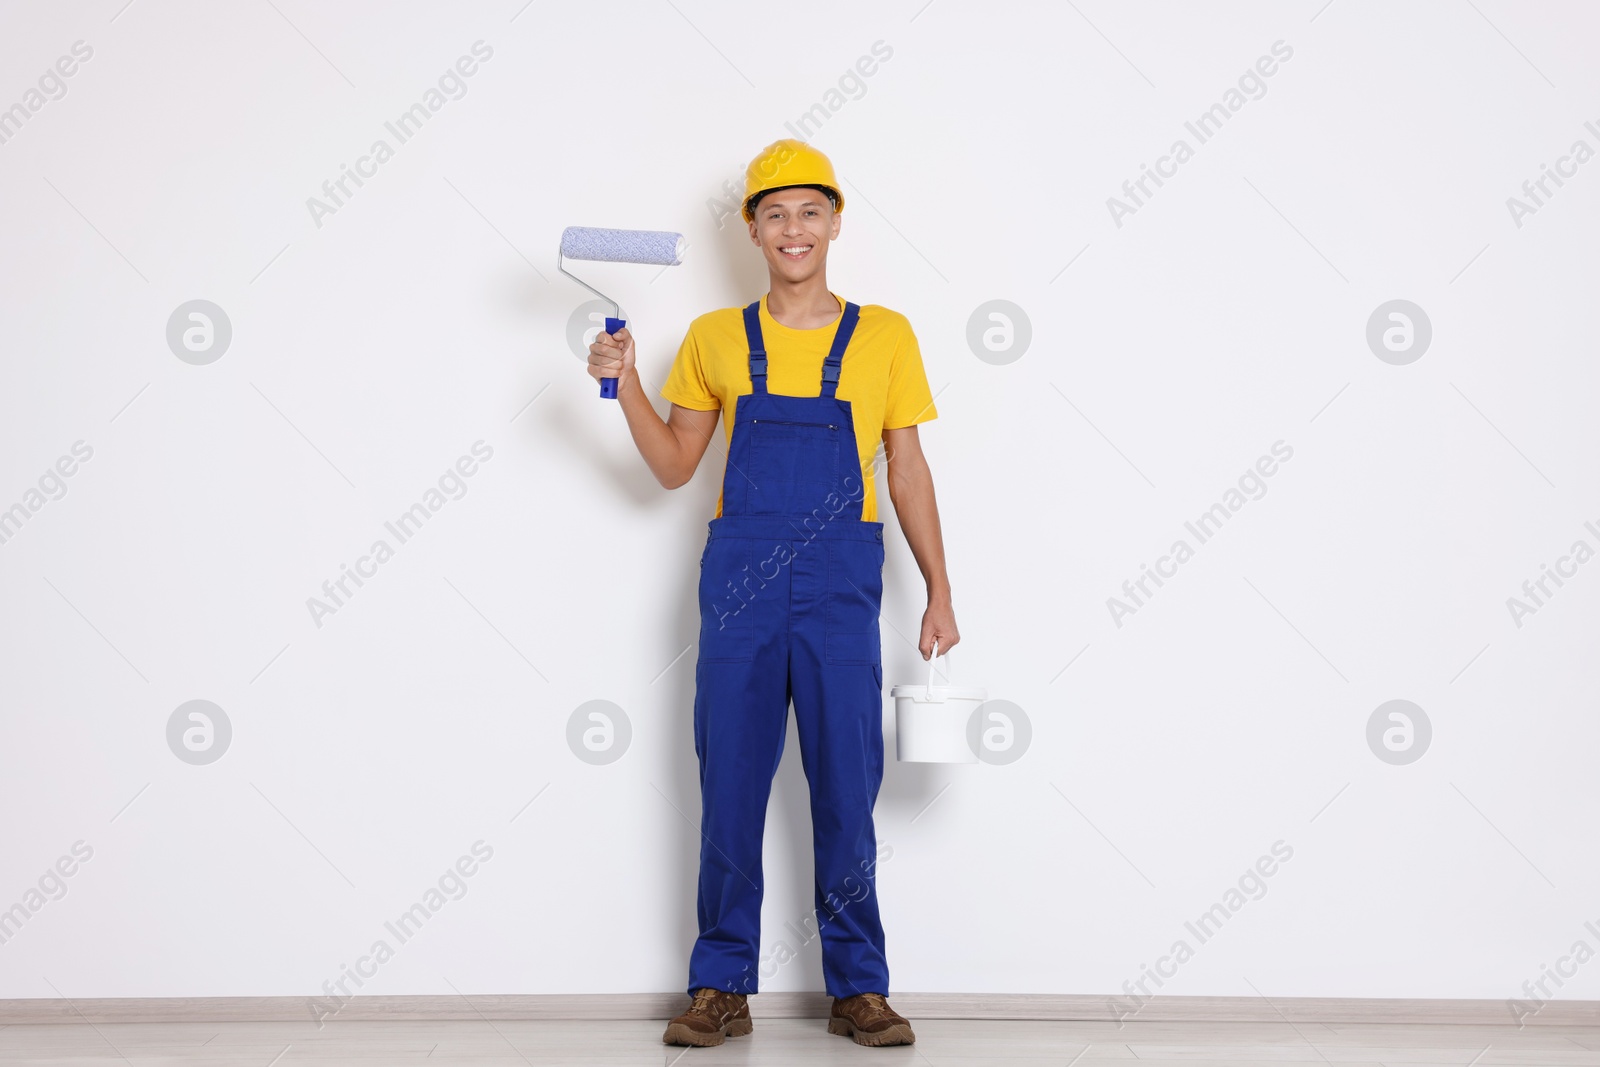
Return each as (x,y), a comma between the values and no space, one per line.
(792,228)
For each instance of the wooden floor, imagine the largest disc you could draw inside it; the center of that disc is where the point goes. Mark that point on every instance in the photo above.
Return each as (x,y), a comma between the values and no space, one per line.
(940,1043)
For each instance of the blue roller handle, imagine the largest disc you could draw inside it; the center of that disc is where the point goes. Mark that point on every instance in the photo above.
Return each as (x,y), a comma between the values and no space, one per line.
(608,386)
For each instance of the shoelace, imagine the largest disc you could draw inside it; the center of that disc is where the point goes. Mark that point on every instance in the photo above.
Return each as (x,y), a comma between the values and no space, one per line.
(875,1001)
(702,999)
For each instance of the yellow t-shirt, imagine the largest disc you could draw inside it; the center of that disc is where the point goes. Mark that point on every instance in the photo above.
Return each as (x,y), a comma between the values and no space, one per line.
(882,374)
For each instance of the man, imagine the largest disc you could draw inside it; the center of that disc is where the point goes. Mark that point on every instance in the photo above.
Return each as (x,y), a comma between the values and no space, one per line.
(791,583)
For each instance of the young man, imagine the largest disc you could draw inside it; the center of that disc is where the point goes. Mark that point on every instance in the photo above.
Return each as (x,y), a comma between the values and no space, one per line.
(790,587)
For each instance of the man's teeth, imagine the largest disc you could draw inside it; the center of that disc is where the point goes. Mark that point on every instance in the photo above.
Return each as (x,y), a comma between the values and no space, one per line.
(795,250)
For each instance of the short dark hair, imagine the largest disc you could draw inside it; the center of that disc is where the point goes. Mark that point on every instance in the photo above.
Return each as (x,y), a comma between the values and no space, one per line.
(755,201)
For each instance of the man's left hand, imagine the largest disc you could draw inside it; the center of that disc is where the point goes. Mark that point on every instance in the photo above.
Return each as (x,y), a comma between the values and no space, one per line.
(938,624)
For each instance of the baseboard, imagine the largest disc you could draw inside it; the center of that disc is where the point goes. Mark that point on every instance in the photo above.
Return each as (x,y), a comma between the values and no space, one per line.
(1040,1006)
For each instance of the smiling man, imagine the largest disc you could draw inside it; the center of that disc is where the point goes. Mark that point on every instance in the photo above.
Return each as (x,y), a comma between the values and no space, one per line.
(791,582)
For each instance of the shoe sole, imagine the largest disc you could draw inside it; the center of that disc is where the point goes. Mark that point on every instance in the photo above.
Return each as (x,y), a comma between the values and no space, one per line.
(898,1034)
(680,1034)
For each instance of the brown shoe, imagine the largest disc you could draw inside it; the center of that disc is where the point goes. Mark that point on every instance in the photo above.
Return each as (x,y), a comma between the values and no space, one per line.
(868,1020)
(713,1016)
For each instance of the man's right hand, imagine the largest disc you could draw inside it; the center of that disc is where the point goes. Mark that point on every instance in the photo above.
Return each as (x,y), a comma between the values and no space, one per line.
(611,355)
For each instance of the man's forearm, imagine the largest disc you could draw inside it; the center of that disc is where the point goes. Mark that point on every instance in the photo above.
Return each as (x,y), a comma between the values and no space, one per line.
(654,438)
(914,504)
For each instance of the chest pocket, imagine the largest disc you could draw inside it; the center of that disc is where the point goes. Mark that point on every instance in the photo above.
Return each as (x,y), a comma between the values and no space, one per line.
(795,465)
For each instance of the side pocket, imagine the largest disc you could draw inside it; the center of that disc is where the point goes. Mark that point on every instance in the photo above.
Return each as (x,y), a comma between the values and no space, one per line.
(843,647)
(855,586)
(727,633)
(728,646)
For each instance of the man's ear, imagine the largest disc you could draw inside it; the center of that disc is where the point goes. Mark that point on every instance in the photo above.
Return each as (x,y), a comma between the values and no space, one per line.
(753,238)
(838,219)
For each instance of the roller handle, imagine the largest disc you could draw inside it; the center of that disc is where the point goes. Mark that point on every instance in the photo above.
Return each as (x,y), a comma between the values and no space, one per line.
(608,386)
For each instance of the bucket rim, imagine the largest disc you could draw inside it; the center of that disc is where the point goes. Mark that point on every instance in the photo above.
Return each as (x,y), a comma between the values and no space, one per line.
(919,693)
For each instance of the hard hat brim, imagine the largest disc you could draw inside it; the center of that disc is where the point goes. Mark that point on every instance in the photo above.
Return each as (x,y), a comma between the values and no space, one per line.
(753,199)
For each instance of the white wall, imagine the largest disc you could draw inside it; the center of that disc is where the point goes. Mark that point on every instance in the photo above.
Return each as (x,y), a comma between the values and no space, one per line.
(1168,753)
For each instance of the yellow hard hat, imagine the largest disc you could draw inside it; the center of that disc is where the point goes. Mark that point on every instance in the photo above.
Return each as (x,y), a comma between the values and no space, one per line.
(786,163)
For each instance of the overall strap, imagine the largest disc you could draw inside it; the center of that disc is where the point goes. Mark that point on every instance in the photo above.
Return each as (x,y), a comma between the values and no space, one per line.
(758,351)
(841,338)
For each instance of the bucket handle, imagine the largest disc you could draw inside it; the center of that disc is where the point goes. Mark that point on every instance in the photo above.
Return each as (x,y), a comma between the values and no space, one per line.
(929,691)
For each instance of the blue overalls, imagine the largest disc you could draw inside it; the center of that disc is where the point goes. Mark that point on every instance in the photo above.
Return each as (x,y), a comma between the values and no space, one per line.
(790,587)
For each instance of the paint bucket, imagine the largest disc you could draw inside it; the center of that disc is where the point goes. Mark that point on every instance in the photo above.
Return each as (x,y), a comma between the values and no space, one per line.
(930,722)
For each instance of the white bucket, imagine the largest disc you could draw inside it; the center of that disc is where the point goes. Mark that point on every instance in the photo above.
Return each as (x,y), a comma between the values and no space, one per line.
(930,722)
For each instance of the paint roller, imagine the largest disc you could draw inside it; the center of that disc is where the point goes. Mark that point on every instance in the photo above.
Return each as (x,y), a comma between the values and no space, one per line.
(658,247)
